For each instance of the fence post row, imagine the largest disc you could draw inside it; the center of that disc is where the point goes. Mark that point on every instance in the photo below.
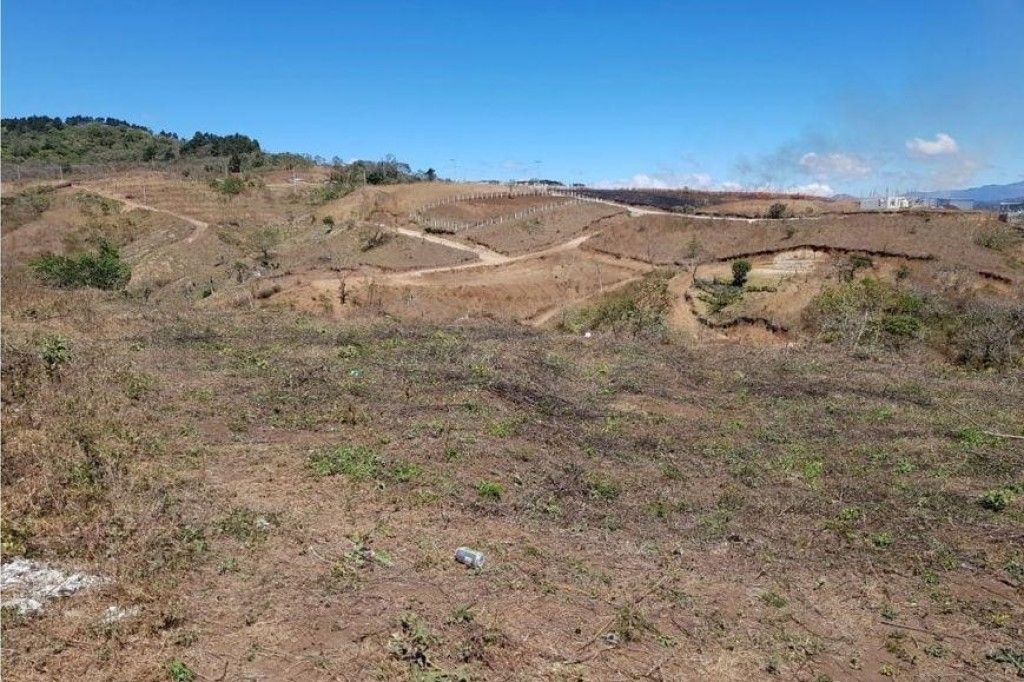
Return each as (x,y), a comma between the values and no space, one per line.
(456,226)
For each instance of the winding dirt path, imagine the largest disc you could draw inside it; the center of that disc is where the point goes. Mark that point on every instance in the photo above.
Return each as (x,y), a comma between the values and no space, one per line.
(495,259)
(198,226)
(487,256)
(681,318)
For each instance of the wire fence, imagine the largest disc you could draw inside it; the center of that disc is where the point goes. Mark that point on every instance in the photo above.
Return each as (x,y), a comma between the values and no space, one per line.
(510,192)
(452,226)
(455,226)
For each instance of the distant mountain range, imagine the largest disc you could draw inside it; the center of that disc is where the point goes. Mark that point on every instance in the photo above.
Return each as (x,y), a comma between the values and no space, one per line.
(986,194)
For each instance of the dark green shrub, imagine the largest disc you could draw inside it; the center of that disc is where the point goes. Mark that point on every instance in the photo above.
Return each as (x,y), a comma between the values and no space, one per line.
(973,332)
(103,269)
(996,500)
(178,671)
(776,211)
(998,237)
(54,351)
(902,325)
(603,487)
(847,270)
(489,490)
(868,312)
(228,186)
(740,270)
(983,335)
(718,296)
(858,261)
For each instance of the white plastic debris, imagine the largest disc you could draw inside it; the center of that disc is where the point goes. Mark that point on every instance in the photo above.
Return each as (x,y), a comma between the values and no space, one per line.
(469,557)
(28,585)
(115,614)
(587,335)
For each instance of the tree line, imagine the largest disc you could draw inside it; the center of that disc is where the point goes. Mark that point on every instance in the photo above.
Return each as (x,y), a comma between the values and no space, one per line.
(97,139)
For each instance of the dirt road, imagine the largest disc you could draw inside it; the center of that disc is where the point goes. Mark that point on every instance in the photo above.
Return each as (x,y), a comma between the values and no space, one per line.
(198,226)
(411,276)
(487,256)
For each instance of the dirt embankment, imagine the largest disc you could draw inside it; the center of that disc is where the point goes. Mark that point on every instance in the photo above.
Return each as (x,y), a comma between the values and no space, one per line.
(669,240)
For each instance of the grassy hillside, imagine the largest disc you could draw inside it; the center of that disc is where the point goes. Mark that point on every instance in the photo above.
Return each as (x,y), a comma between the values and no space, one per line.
(82,140)
(271,438)
(299,485)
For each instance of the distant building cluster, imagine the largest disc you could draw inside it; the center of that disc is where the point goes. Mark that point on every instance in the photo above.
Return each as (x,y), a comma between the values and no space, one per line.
(899,202)
(885,203)
(1012,210)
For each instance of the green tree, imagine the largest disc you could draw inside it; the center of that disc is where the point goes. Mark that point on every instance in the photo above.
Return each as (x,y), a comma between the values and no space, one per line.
(740,270)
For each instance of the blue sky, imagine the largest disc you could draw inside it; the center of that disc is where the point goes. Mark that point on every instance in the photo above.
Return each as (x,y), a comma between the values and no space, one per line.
(841,96)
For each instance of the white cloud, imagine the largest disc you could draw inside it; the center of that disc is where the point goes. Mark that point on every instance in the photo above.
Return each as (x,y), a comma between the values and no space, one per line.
(817,189)
(957,172)
(660,181)
(942,144)
(644,181)
(836,164)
